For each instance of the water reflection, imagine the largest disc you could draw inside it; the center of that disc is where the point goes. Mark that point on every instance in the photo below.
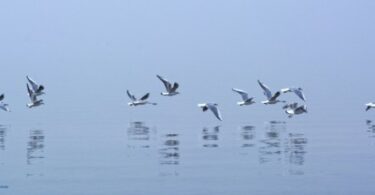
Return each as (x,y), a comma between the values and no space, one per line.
(248,136)
(295,150)
(2,136)
(370,128)
(270,146)
(169,154)
(211,137)
(35,146)
(138,135)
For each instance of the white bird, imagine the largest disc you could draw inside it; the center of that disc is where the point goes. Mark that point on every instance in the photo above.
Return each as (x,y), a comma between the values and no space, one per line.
(137,102)
(294,109)
(369,106)
(37,89)
(245,97)
(33,97)
(213,108)
(171,89)
(271,99)
(298,91)
(3,106)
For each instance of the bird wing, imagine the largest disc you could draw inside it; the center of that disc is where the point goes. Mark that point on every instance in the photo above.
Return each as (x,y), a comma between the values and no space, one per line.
(145,97)
(167,84)
(175,86)
(31,93)
(33,84)
(266,91)
(300,94)
(2,97)
(216,111)
(275,96)
(243,94)
(131,96)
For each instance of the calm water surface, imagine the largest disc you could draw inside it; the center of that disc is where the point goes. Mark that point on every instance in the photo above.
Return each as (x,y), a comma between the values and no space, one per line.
(140,157)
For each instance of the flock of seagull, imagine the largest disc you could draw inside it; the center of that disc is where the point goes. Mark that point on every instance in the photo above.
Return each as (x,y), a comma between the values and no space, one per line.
(290,109)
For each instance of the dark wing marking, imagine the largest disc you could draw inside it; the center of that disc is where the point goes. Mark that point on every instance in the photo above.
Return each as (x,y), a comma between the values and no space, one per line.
(145,96)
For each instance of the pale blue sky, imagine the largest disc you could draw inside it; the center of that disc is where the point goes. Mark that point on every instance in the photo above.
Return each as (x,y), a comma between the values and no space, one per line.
(77,47)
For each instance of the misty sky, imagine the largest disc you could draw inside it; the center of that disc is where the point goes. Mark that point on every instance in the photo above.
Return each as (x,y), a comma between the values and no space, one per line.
(87,53)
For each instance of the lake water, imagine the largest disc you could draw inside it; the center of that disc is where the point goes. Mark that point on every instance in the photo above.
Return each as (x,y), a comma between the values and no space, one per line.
(140,157)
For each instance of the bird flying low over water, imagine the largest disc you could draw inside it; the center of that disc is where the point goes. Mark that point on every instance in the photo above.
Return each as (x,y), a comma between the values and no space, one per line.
(37,89)
(245,97)
(294,109)
(140,101)
(33,97)
(271,98)
(370,105)
(171,88)
(3,105)
(213,107)
(298,91)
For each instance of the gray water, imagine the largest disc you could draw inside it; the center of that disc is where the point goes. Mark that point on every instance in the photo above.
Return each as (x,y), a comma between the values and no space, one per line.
(139,157)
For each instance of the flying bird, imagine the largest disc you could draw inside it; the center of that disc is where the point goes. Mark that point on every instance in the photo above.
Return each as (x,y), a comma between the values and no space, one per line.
(294,109)
(298,91)
(3,105)
(245,97)
(213,107)
(33,97)
(37,89)
(171,88)
(369,106)
(271,98)
(140,101)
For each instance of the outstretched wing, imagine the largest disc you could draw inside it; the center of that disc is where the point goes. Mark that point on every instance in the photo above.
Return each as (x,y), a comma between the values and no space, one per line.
(33,84)
(300,94)
(266,91)
(243,94)
(275,96)
(216,111)
(31,93)
(175,86)
(131,96)
(167,84)
(145,97)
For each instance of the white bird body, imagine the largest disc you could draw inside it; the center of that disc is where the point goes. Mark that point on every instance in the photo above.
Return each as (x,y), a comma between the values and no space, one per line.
(298,91)
(370,105)
(294,109)
(271,99)
(213,107)
(245,97)
(171,88)
(138,102)
(37,89)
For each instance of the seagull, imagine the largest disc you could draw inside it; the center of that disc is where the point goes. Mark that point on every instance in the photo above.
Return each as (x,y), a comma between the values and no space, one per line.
(37,89)
(212,107)
(3,106)
(271,99)
(297,91)
(294,109)
(245,97)
(33,97)
(370,105)
(171,89)
(137,102)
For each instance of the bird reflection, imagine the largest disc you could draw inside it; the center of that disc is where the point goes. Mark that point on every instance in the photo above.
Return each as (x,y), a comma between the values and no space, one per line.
(35,146)
(211,137)
(248,136)
(295,150)
(370,128)
(170,153)
(270,146)
(138,135)
(2,137)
